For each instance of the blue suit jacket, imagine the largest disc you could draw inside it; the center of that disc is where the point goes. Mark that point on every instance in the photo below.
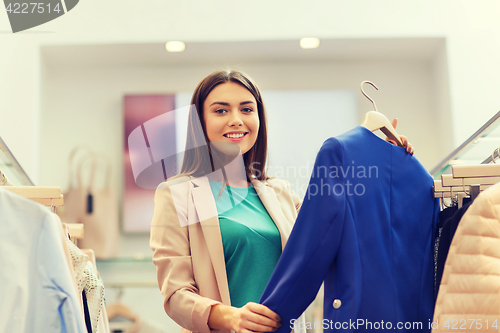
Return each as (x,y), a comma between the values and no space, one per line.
(366,229)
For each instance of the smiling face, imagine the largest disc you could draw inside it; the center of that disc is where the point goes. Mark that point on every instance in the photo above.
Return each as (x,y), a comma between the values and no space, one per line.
(231,115)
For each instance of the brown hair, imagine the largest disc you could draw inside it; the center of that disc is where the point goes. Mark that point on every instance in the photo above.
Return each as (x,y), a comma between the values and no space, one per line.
(196,162)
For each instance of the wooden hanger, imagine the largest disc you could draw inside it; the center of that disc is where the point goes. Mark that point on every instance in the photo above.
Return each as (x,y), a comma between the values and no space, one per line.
(441,191)
(449,180)
(471,171)
(375,120)
(120,309)
(46,195)
(4,181)
(49,196)
(468,180)
(479,174)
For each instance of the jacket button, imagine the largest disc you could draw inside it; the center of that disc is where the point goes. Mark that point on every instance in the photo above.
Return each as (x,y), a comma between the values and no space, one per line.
(337,303)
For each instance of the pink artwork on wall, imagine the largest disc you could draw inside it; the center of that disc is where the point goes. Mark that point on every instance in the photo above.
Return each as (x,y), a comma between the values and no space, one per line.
(149,138)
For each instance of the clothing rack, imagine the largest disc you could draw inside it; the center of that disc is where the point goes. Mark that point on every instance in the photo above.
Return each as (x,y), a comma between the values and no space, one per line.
(49,196)
(469,174)
(479,137)
(467,180)
(57,259)
(11,163)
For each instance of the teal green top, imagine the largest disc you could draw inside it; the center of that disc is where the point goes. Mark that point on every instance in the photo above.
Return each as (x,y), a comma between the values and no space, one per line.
(251,241)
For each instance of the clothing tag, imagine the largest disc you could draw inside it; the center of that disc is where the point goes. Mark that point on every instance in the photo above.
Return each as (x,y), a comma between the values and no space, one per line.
(90,203)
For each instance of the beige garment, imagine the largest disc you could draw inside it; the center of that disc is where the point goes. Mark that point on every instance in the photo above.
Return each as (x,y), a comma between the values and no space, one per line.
(469,294)
(65,237)
(87,279)
(79,260)
(189,255)
(103,325)
(90,253)
(94,291)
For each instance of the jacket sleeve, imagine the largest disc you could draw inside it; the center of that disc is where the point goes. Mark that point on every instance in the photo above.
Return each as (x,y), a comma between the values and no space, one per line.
(313,243)
(172,257)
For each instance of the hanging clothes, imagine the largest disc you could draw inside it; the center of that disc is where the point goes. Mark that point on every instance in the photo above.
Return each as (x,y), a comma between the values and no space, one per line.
(86,313)
(94,290)
(103,325)
(79,261)
(366,228)
(448,223)
(37,288)
(88,282)
(468,295)
(444,215)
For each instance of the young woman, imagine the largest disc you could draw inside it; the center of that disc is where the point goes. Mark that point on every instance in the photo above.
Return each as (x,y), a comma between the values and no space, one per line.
(219,227)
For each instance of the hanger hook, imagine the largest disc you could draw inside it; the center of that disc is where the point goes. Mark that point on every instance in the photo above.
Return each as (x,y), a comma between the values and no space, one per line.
(120,294)
(363,92)
(493,158)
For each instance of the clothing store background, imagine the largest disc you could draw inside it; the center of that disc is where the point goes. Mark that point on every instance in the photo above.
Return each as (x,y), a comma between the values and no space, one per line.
(62,83)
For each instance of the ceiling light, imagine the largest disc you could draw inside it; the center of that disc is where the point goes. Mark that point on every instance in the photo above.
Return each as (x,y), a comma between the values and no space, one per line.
(309,43)
(175,46)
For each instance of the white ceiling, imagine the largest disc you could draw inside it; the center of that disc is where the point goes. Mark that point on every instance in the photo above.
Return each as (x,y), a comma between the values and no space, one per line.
(154,54)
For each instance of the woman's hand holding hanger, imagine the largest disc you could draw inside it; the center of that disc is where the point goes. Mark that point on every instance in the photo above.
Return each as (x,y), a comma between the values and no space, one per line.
(404,139)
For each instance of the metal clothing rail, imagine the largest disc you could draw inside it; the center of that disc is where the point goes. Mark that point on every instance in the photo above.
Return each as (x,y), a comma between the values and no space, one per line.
(487,128)
(13,163)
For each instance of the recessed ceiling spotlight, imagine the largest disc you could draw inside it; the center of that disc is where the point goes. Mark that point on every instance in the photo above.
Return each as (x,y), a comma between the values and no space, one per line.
(309,43)
(175,46)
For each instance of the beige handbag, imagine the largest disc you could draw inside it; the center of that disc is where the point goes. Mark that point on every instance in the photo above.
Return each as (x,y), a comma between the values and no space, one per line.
(95,207)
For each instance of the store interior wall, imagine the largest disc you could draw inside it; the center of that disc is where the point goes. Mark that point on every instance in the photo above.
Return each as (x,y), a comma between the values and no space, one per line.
(84,105)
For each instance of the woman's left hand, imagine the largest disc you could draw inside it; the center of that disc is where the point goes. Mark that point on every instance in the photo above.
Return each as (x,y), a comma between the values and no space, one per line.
(404,139)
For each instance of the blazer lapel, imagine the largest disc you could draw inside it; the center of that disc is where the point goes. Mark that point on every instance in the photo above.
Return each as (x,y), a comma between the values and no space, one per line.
(207,212)
(268,197)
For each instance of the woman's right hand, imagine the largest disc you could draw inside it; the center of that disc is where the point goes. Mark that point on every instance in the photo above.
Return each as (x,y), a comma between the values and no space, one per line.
(253,317)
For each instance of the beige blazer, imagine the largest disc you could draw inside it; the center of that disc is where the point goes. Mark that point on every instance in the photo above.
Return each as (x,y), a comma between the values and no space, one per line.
(187,245)
(469,294)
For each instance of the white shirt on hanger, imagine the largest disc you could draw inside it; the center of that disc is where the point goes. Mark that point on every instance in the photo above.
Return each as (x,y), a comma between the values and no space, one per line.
(38,293)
